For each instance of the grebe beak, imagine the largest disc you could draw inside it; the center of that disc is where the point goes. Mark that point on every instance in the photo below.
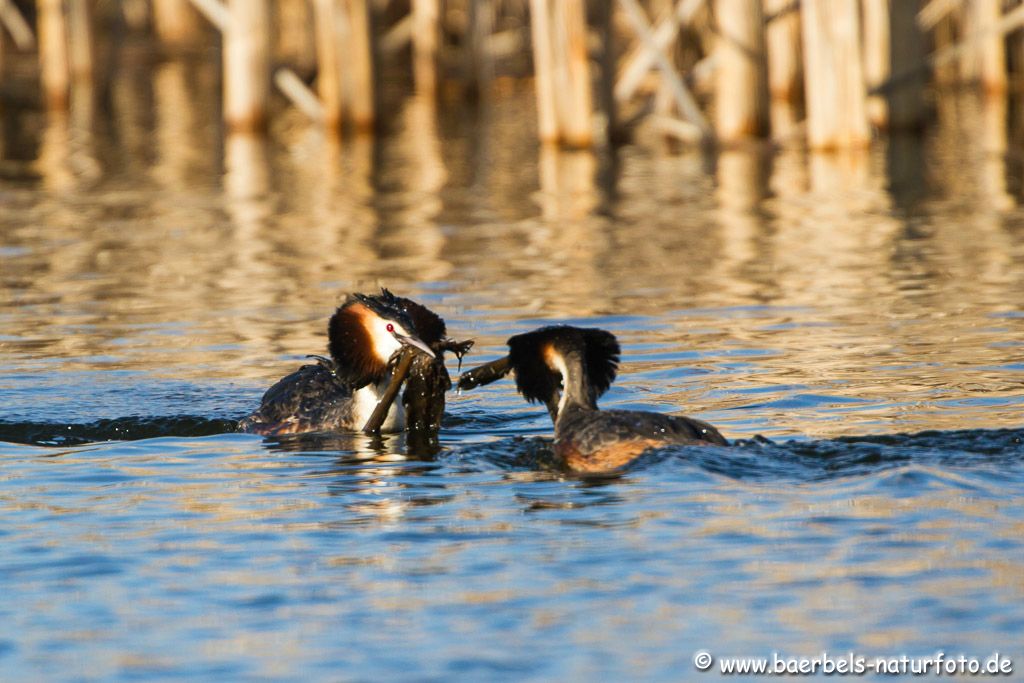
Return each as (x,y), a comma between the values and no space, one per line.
(409,340)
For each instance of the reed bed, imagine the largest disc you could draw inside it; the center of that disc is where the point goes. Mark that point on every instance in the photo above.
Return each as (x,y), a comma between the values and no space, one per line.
(831,73)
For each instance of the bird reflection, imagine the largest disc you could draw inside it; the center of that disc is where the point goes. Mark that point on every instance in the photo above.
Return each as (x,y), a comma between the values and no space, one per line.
(361,448)
(377,478)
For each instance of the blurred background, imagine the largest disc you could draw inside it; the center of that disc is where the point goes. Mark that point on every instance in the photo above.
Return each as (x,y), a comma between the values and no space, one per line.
(801,219)
(852,166)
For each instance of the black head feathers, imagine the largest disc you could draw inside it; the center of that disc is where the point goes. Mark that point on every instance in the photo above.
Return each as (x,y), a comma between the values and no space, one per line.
(429,326)
(348,333)
(388,306)
(535,356)
(414,317)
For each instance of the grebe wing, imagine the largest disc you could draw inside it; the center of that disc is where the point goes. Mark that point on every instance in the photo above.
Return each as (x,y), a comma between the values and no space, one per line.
(310,398)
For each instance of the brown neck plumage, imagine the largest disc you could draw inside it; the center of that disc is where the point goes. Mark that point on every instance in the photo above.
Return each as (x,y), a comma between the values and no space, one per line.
(351,346)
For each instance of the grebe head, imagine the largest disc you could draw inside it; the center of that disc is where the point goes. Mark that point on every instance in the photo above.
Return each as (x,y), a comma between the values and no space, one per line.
(367,330)
(555,365)
(429,326)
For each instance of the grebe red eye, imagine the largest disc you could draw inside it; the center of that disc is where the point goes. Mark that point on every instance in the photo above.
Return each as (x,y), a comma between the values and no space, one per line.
(391,328)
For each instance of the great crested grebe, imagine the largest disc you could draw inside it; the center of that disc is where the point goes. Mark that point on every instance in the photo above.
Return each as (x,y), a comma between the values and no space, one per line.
(375,342)
(568,369)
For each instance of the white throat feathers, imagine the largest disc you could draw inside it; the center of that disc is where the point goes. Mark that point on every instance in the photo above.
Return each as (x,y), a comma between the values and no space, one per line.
(556,362)
(383,339)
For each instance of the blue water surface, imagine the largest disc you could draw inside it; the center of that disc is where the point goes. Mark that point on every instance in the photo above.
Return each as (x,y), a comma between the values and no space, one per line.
(853,323)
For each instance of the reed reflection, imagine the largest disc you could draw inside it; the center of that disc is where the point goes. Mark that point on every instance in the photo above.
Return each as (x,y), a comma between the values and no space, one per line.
(250,206)
(247,182)
(906,169)
(969,147)
(343,219)
(786,124)
(840,176)
(411,239)
(177,123)
(448,201)
(54,161)
(325,218)
(571,244)
(742,184)
(567,184)
(133,119)
(992,127)
(421,137)
(66,159)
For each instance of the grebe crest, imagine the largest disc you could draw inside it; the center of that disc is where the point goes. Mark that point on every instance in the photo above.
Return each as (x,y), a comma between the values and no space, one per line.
(367,331)
(561,364)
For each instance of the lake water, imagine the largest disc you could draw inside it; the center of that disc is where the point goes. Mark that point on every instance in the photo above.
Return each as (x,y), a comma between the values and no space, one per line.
(862,313)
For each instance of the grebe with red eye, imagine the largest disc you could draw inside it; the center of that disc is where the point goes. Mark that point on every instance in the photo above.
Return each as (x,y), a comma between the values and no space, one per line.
(568,369)
(367,337)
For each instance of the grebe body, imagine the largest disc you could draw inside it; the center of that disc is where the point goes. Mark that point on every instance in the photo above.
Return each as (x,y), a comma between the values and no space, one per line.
(367,336)
(567,369)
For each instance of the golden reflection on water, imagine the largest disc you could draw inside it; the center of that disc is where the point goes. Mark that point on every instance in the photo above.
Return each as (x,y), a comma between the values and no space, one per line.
(54,162)
(154,241)
(176,117)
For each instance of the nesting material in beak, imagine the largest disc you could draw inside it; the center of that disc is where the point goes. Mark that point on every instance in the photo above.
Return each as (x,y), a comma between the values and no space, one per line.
(485,374)
(380,412)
